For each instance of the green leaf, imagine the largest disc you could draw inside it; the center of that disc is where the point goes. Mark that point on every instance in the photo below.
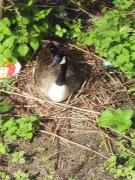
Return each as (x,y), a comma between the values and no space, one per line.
(41,14)
(133,56)
(6,31)
(58,28)
(122,59)
(3,148)
(132,47)
(18,157)
(19,175)
(1,36)
(59,33)
(34,44)
(64,30)
(23,50)
(25,21)
(6,21)
(131,161)
(7,53)
(119,119)
(133,143)
(2,58)
(5,107)
(30,2)
(106,42)
(1,48)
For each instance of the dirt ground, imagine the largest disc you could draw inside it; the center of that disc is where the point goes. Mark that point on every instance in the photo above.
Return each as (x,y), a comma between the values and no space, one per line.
(68,144)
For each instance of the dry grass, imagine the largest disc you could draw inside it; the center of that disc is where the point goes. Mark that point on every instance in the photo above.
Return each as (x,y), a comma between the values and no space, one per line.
(102,89)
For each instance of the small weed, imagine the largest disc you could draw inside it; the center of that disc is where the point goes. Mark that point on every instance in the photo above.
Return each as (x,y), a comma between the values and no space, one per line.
(5,107)
(19,175)
(59,31)
(18,157)
(121,165)
(4,176)
(13,128)
(3,149)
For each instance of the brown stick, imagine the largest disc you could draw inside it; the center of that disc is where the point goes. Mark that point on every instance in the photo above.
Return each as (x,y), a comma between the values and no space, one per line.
(74,143)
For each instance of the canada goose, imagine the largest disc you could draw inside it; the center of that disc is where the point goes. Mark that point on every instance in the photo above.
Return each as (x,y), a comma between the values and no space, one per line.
(56,76)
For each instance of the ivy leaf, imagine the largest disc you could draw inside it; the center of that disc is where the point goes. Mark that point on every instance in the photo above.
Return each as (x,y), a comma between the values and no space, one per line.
(119,119)
(34,44)
(23,50)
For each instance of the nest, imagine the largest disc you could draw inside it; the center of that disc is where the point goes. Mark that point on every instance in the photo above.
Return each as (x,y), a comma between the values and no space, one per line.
(76,118)
(101,89)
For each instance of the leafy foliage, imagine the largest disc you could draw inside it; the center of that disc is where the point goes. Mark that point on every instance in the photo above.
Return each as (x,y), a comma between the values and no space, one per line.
(13,128)
(24,38)
(3,148)
(59,31)
(18,157)
(113,36)
(5,107)
(19,175)
(119,119)
(121,165)
(4,176)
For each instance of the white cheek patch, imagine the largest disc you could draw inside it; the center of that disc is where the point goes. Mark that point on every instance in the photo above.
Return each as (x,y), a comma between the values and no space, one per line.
(58,93)
(63,61)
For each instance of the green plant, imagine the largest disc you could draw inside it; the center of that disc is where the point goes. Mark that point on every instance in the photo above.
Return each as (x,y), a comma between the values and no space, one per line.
(4,176)
(5,107)
(122,164)
(3,148)
(119,119)
(24,40)
(113,36)
(18,157)
(75,30)
(7,84)
(13,128)
(59,31)
(19,175)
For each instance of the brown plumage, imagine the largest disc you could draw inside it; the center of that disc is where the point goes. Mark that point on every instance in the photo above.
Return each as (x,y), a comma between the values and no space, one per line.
(46,76)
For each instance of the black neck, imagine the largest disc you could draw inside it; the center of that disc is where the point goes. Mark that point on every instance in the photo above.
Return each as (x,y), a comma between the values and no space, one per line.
(61,80)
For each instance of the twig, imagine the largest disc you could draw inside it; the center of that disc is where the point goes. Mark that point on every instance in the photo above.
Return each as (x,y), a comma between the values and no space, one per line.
(74,143)
(86,12)
(29,97)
